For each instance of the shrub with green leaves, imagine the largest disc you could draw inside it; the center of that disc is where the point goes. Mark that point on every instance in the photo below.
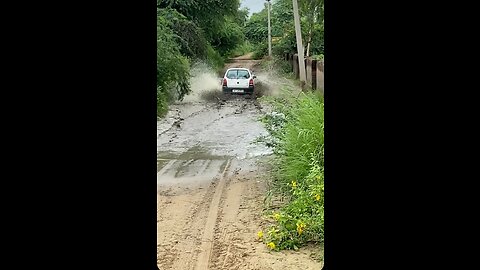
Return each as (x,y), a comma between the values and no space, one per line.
(298,171)
(189,37)
(260,50)
(214,59)
(173,69)
(228,37)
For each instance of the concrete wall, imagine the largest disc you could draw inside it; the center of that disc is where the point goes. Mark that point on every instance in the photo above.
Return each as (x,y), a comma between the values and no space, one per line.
(296,69)
(313,69)
(320,75)
(308,71)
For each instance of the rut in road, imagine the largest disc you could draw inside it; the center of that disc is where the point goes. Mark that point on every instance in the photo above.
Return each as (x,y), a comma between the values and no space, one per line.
(207,239)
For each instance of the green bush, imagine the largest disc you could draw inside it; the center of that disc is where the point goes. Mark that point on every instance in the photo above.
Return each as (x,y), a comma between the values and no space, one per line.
(283,66)
(241,49)
(189,37)
(173,69)
(214,59)
(162,102)
(286,44)
(260,50)
(318,57)
(229,37)
(298,172)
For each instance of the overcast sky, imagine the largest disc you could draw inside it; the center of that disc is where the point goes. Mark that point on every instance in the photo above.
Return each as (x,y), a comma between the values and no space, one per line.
(253,5)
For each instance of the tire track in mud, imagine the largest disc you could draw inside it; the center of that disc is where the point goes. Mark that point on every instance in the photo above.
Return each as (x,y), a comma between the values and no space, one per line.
(181,248)
(208,233)
(226,243)
(232,243)
(178,231)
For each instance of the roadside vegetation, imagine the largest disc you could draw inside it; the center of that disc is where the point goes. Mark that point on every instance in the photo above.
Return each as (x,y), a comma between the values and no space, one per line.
(296,195)
(193,31)
(296,134)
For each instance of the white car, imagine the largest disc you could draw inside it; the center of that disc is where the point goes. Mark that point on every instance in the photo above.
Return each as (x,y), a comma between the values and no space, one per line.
(238,80)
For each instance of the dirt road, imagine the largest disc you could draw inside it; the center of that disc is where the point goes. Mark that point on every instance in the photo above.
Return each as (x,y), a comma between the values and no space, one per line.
(211,184)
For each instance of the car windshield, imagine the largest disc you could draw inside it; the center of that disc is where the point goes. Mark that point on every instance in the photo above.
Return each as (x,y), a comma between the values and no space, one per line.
(238,74)
(243,74)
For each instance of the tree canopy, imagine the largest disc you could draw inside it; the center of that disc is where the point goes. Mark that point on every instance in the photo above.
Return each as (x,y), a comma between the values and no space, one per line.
(282,23)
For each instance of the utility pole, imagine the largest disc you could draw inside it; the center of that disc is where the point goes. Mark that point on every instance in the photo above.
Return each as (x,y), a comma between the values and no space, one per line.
(298,33)
(269,31)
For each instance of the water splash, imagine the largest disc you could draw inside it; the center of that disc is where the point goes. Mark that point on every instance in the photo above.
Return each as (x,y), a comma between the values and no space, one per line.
(205,84)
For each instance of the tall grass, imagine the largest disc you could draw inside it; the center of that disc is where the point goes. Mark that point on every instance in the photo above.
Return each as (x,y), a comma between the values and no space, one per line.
(303,137)
(298,130)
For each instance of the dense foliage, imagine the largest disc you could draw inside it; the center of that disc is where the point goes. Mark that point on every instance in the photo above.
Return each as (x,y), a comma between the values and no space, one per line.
(190,31)
(172,67)
(282,27)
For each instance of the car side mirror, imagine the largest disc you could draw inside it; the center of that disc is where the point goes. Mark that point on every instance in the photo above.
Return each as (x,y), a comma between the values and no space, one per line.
(254,76)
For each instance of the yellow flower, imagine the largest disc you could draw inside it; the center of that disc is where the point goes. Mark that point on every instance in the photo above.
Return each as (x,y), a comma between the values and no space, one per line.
(294,184)
(317,197)
(300,227)
(276,216)
(271,245)
(260,234)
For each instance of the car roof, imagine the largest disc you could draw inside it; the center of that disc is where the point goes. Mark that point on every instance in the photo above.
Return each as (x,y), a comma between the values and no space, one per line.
(238,68)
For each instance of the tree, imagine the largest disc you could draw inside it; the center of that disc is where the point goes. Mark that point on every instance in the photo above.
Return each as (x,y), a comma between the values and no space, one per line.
(312,13)
(188,35)
(311,17)
(209,15)
(282,17)
(229,36)
(241,17)
(256,28)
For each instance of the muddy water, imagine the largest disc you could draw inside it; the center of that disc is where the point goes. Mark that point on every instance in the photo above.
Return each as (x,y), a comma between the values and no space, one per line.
(210,125)
(222,129)
(210,185)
